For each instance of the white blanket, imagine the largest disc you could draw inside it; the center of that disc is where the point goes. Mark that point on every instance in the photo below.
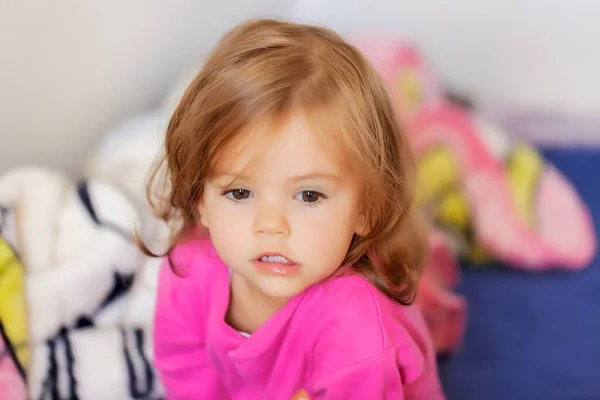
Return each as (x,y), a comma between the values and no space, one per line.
(88,292)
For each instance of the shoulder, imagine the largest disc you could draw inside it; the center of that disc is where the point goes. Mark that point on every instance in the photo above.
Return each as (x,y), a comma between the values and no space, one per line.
(359,323)
(190,263)
(186,273)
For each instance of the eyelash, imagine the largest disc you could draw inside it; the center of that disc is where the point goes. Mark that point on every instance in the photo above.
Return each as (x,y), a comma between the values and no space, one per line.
(319,200)
(228,194)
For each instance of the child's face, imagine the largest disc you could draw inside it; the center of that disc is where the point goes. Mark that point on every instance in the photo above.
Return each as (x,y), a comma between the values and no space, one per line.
(282,212)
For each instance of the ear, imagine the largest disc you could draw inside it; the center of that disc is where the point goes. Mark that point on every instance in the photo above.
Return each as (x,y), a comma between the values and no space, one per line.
(361,225)
(201,211)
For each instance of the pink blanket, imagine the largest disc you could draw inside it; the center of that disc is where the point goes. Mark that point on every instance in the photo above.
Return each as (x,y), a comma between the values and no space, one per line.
(486,196)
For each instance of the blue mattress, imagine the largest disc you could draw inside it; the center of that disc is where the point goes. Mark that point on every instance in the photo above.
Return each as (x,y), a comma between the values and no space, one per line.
(533,336)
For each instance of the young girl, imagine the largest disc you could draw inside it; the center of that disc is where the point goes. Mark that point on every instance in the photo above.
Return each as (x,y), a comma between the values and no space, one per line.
(294,261)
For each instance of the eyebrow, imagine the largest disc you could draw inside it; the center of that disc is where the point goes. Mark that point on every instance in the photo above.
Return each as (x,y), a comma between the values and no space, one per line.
(295,179)
(315,176)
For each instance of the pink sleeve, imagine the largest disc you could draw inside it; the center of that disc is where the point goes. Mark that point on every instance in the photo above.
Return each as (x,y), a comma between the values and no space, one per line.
(179,353)
(373,378)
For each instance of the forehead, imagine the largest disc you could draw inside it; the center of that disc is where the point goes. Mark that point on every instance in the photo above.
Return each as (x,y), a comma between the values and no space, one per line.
(278,147)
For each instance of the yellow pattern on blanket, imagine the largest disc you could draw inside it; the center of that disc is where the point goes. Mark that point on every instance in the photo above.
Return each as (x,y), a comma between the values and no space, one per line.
(13,306)
(440,193)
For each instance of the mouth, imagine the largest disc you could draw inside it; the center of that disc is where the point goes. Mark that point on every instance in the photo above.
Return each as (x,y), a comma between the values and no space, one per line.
(275,258)
(276,264)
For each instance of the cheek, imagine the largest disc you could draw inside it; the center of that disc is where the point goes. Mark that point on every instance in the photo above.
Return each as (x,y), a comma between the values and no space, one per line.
(228,232)
(227,223)
(216,212)
(327,234)
(221,216)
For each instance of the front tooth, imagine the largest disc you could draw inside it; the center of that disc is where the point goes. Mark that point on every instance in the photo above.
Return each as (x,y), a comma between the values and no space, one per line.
(279,259)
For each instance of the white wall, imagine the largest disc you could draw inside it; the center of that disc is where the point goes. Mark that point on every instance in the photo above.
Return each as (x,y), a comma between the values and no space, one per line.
(71,68)
(543,54)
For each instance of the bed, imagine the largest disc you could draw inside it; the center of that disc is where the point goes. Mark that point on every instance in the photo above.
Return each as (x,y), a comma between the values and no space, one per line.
(529,336)
(533,336)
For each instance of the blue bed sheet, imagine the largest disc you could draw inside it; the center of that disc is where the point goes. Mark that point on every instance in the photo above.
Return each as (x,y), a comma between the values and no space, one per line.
(533,336)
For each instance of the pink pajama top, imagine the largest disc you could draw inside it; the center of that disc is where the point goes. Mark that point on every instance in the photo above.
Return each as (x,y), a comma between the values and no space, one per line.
(339,339)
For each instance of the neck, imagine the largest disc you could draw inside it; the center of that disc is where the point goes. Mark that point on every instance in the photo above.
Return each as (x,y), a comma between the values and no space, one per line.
(249,308)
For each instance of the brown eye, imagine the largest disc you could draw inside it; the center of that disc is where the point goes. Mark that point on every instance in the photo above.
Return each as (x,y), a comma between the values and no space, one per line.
(311,196)
(239,194)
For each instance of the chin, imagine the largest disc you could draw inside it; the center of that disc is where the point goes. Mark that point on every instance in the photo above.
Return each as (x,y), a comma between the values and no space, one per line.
(282,291)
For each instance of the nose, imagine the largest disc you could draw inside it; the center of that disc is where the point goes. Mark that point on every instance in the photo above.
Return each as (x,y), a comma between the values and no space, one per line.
(271,220)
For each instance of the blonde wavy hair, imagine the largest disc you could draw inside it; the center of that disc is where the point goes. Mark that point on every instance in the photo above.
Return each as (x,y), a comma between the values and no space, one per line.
(264,69)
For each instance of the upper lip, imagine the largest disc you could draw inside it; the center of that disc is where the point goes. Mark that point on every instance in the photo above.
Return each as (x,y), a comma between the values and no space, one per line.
(273,253)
